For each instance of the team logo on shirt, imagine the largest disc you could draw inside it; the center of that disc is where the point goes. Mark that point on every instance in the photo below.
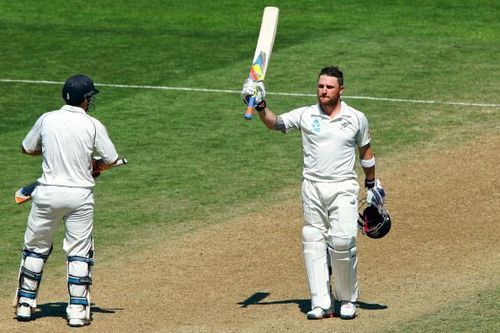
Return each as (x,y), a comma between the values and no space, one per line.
(316,125)
(344,125)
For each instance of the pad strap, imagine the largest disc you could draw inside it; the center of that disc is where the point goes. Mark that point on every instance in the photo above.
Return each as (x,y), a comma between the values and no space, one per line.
(27,253)
(31,275)
(89,261)
(79,300)
(80,280)
(31,294)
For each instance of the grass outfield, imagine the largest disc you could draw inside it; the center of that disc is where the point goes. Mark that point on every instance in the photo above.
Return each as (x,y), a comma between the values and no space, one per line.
(476,314)
(193,160)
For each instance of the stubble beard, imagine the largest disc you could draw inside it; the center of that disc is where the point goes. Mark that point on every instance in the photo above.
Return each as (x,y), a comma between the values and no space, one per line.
(332,102)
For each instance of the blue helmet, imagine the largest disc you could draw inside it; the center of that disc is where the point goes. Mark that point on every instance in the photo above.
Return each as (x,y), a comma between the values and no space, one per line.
(77,89)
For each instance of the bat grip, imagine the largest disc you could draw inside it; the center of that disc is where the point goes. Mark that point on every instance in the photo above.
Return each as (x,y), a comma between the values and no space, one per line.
(250,107)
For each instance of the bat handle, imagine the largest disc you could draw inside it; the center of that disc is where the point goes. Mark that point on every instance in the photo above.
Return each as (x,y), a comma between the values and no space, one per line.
(250,107)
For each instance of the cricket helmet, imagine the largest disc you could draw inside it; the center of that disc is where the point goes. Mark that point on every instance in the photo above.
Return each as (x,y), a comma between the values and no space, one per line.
(374,222)
(78,88)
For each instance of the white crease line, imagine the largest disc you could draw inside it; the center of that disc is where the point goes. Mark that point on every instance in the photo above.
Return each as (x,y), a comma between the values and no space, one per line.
(269,93)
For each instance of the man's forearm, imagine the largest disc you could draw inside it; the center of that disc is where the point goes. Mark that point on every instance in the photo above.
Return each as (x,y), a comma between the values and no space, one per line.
(268,118)
(369,173)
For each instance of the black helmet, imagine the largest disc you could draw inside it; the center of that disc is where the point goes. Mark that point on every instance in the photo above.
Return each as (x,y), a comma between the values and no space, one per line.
(374,222)
(78,88)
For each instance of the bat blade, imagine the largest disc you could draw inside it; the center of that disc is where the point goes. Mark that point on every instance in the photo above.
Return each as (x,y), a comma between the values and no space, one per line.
(263,51)
(257,71)
(24,193)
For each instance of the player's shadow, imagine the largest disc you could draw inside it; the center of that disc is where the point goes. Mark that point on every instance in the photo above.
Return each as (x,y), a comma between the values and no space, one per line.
(58,309)
(256,299)
(303,304)
(371,306)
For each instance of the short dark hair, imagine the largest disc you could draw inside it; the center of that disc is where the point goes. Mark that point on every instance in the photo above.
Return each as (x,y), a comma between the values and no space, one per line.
(333,71)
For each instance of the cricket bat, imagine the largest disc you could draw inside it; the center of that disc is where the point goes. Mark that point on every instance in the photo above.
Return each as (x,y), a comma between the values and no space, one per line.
(24,193)
(262,52)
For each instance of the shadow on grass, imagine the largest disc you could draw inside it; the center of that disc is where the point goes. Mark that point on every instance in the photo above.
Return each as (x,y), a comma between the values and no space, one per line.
(58,309)
(303,304)
(256,299)
(371,306)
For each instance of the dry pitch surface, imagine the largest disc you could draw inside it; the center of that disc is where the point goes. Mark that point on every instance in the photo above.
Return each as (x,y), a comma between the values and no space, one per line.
(247,275)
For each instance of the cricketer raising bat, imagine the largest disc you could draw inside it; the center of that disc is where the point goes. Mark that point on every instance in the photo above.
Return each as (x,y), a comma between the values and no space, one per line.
(24,193)
(262,52)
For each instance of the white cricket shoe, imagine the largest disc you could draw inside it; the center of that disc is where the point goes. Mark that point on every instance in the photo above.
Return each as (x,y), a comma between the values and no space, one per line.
(347,310)
(78,322)
(77,315)
(319,313)
(23,312)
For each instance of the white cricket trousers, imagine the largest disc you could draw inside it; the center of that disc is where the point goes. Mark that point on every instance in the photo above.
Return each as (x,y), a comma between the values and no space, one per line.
(53,204)
(329,239)
(331,207)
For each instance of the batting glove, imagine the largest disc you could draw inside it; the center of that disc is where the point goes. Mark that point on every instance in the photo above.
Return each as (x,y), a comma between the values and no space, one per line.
(253,88)
(375,193)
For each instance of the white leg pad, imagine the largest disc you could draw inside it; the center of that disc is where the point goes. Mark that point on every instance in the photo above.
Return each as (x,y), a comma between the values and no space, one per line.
(344,266)
(315,257)
(79,281)
(30,276)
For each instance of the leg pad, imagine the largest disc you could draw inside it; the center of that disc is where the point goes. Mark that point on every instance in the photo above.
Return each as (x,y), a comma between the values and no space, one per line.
(315,258)
(344,266)
(79,282)
(29,278)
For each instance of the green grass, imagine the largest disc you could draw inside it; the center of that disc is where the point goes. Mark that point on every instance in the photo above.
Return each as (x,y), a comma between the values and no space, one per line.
(193,161)
(475,314)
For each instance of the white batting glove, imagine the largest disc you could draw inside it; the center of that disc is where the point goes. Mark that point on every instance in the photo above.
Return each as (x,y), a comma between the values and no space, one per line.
(251,88)
(375,193)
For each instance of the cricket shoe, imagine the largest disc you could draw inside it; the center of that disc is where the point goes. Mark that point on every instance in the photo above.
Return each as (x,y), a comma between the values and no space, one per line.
(78,322)
(77,315)
(347,310)
(23,312)
(319,313)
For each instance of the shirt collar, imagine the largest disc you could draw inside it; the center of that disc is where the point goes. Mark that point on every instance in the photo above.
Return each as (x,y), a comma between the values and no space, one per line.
(71,108)
(343,107)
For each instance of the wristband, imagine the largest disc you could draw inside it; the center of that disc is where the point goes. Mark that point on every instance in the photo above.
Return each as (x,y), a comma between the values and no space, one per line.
(368,163)
(261,106)
(369,183)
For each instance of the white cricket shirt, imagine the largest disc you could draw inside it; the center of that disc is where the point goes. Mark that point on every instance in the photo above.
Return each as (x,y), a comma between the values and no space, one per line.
(329,145)
(68,137)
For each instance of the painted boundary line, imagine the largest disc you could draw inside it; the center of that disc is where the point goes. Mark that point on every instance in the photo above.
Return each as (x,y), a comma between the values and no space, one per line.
(225,91)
